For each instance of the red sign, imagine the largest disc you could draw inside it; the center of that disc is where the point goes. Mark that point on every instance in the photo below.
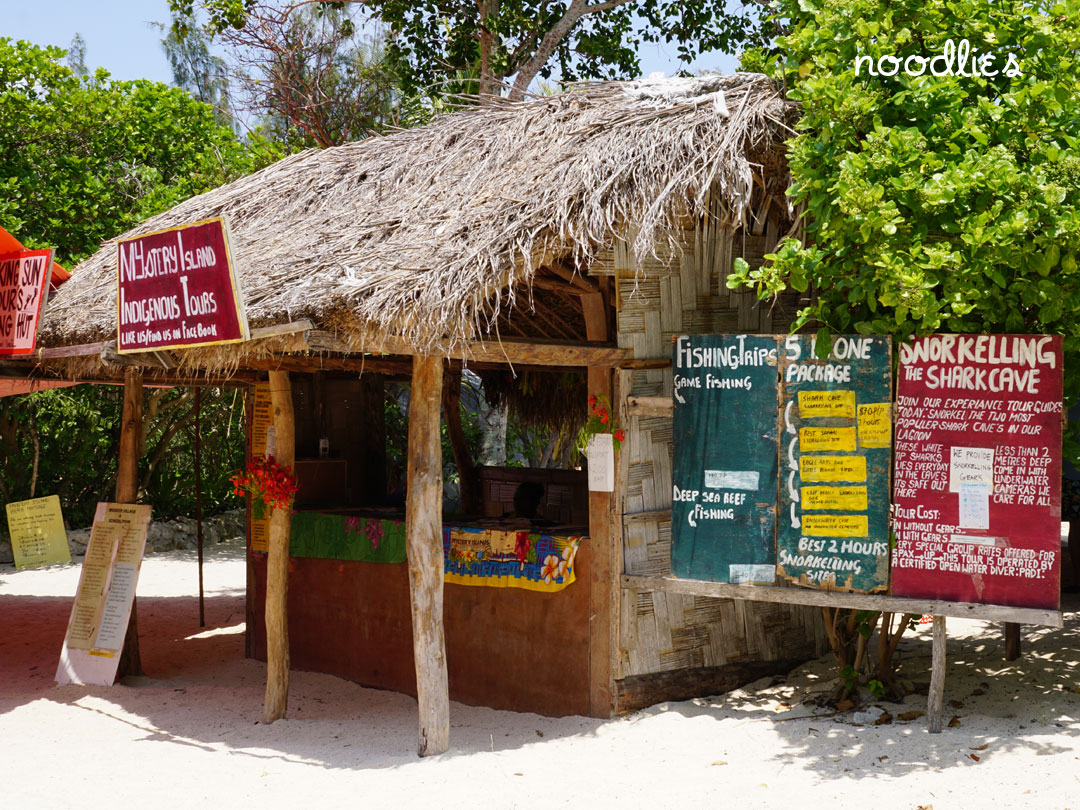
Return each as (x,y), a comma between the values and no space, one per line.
(977,483)
(177,289)
(23,279)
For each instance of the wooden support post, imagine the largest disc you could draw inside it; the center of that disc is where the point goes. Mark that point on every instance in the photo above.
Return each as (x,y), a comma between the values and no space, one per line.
(127,491)
(277,560)
(198,502)
(423,546)
(1012,641)
(603,592)
(468,483)
(936,696)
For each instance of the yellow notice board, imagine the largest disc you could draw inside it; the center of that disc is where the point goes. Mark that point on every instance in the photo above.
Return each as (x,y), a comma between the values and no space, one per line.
(832,468)
(826,439)
(852,498)
(826,403)
(37,532)
(834,525)
(262,416)
(875,425)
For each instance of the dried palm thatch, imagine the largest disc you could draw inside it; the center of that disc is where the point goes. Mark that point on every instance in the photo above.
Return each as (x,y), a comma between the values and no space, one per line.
(424,233)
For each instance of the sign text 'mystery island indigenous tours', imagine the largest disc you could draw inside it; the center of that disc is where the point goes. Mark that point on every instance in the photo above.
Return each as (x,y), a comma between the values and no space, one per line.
(24,279)
(177,289)
(977,494)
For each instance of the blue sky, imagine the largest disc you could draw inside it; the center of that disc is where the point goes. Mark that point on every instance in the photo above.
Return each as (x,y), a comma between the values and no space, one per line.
(119,35)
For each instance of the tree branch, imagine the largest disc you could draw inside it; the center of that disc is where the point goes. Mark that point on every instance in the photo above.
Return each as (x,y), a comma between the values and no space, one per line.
(555,35)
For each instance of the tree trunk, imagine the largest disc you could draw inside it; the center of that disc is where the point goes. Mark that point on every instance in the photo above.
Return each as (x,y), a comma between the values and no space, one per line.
(127,485)
(277,560)
(423,543)
(467,483)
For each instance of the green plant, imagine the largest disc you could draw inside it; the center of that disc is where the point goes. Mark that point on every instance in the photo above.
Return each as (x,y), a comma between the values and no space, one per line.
(932,203)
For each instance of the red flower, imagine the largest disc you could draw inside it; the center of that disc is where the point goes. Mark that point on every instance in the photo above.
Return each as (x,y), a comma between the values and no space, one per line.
(619,435)
(592,401)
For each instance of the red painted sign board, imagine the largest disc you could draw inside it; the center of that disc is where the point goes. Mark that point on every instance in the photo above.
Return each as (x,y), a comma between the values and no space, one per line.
(24,278)
(977,470)
(177,289)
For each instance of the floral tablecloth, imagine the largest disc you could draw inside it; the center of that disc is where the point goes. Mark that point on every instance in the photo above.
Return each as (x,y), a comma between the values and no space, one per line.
(487,557)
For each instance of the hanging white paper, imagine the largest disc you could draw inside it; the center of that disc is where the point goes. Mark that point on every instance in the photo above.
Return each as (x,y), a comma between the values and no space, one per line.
(601,453)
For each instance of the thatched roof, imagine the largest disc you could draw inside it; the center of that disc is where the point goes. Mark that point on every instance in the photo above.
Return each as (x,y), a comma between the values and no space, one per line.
(424,233)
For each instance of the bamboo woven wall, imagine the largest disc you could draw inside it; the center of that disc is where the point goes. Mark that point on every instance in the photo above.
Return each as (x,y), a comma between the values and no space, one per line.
(660,632)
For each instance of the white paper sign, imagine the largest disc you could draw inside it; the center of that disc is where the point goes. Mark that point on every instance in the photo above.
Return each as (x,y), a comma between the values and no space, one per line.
(748,573)
(732,479)
(601,453)
(974,506)
(970,465)
(114,618)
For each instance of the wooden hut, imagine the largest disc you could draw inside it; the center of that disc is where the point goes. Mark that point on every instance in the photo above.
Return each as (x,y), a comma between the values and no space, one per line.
(572,232)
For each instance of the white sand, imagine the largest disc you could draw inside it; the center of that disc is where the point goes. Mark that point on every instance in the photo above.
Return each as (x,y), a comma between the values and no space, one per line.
(190,735)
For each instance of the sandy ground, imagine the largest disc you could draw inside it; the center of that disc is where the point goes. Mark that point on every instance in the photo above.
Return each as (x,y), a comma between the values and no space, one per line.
(189,736)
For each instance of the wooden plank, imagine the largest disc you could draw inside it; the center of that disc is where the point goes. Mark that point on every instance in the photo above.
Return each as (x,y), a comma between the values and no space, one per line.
(572,276)
(318,362)
(281,329)
(539,353)
(936,695)
(1012,641)
(127,491)
(654,514)
(78,350)
(859,601)
(423,544)
(639,691)
(602,576)
(650,406)
(277,560)
(646,363)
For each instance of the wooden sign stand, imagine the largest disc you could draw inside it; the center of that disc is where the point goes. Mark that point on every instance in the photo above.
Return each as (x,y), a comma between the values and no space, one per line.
(863,601)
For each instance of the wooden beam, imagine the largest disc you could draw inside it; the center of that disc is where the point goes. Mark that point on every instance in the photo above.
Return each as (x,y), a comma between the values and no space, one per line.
(277,559)
(78,350)
(127,491)
(640,691)
(603,579)
(544,283)
(572,276)
(423,546)
(1012,641)
(281,329)
(650,406)
(85,349)
(936,696)
(646,363)
(305,363)
(859,601)
(527,352)
(653,514)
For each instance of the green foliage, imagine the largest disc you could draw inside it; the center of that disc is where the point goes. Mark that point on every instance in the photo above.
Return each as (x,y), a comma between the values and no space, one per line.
(933,203)
(84,158)
(77,431)
(435,44)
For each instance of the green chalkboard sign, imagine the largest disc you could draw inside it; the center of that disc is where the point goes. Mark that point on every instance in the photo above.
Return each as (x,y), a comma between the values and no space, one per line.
(835,459)
(724,471)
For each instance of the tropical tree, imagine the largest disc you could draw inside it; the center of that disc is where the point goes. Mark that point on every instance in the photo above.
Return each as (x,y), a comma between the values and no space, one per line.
(938,174)
(436,43)
(84,158)
(933,199)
